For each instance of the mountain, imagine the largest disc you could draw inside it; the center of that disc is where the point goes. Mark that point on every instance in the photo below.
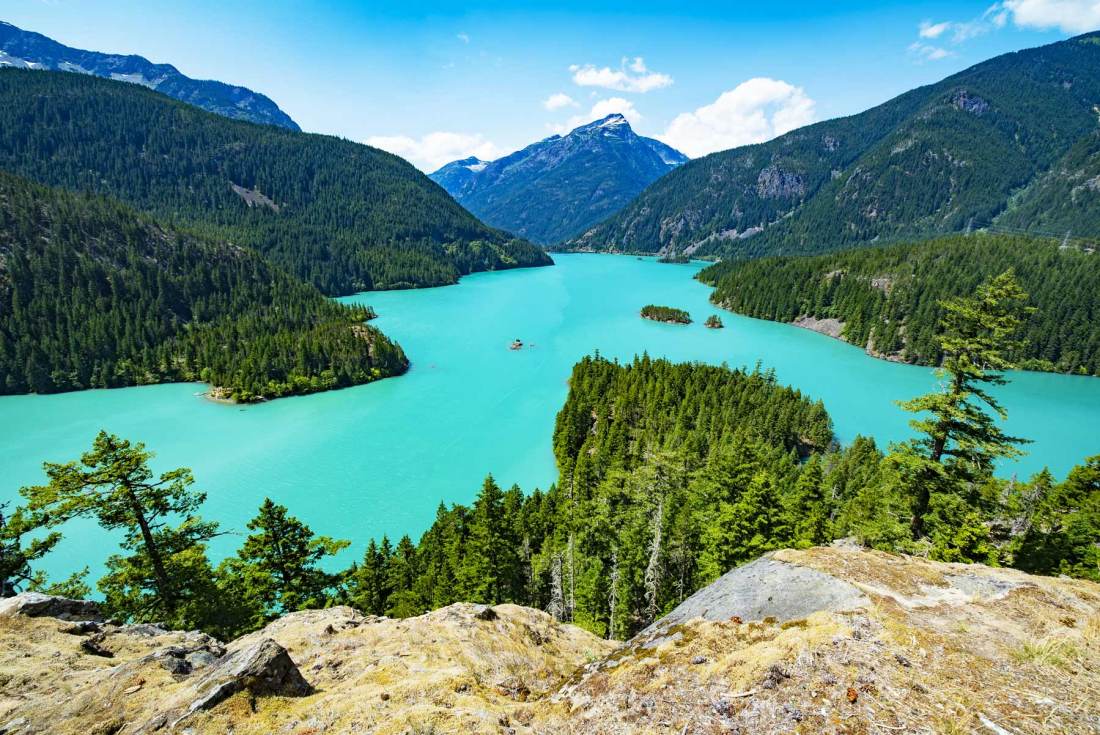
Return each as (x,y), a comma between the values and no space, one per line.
(28,50)
(456,174)
(888,300)
(997,143)
(343,216)
(559,186)
(819,640)
(94,295)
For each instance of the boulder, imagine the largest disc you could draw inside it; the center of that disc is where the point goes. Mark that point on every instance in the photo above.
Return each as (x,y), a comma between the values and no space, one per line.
(38,605)
(263,668)
(766,588)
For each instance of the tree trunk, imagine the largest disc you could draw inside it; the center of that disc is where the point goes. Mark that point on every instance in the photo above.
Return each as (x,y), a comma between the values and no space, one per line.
(164,585)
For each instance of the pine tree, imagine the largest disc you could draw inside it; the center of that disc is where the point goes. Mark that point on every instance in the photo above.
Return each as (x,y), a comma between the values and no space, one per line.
(15,557)
(166,575)
(281,561)
(960,440)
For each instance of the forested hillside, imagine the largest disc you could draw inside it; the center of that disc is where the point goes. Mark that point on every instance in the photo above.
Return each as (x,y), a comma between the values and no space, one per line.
(94,295)
(889,299)
(340,215)
(944,158)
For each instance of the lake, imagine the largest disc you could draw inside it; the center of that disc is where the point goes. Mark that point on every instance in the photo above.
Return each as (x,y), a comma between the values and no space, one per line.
(379,458)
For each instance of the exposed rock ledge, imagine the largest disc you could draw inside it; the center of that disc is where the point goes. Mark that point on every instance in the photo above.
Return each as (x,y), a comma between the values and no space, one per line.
(830,327)
(825,640)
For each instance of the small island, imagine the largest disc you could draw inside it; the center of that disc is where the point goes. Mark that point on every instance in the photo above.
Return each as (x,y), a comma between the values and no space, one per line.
(666,314)
(713,322)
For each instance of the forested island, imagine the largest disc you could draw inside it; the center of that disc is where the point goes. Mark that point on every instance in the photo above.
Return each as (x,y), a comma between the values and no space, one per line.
(713,322)
(95,295)
(890,300)
(666,314)
(669,475)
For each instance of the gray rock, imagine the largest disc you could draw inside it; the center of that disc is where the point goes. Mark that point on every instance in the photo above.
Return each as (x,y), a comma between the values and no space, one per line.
(765,588)
(264,668)
(38,605)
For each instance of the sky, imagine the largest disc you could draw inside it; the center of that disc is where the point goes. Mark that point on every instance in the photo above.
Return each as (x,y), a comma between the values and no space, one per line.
(437,81)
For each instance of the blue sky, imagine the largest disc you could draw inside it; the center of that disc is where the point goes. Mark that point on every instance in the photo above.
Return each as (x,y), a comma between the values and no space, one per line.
(435,81)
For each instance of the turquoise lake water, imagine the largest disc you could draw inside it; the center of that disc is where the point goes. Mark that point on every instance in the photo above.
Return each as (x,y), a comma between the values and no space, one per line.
(379,458)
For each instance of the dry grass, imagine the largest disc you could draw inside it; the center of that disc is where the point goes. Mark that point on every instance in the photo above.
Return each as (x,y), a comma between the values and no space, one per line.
(1054,652)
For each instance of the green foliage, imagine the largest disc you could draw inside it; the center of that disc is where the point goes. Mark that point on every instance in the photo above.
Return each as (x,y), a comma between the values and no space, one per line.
(1061,524)
(665,314)
(891,299)
(669,475)
(165,575)
(93,295)
(958,437)
(340,215)
(277,570)
(15,557)
(941,158)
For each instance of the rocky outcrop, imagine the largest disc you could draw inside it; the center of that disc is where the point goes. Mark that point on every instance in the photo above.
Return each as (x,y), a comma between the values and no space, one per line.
(773,183)
(38,605)
(828,326)
(823,640)
(766,588)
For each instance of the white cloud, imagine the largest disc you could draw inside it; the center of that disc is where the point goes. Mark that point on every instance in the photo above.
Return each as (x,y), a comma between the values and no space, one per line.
(600,110)
(754,111)
(933,30)
(465,38)
(559,100)
(1068,16)
(433,150)
(631,76)
(927,52)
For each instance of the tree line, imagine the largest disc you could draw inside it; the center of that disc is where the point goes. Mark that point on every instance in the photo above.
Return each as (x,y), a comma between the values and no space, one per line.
(669,475)
(94,295)
(890,299)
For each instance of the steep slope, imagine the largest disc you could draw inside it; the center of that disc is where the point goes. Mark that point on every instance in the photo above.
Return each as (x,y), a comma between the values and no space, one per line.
(27,50)
(557,187)
(457,174)
(343,216)
(92,295)
(1066,199)
(825,640)
(887,299)
(939,159)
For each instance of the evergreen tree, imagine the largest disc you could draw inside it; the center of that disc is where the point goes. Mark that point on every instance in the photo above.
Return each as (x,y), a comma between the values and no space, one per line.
(15,556)
(166,575)
(280,562)
(960,440)
(490,569)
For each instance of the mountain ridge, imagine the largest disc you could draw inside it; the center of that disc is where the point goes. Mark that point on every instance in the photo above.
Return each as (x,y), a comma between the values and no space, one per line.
(29,50)
(558,186)
(941,158)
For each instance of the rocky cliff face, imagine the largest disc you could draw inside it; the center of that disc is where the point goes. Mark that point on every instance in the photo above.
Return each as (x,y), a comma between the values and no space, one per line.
(835,640)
